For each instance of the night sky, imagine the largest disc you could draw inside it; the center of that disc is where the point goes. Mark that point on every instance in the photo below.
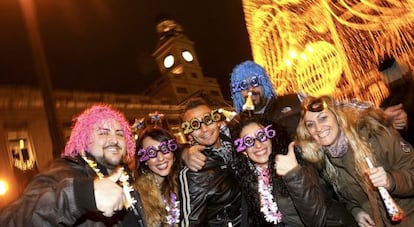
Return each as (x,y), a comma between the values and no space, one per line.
(107,45)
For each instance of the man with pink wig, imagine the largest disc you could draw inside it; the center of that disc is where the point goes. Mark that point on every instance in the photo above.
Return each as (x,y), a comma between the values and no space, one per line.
(89,184)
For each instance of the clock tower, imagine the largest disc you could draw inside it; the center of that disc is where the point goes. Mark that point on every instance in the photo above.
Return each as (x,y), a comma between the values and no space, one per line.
(181,73)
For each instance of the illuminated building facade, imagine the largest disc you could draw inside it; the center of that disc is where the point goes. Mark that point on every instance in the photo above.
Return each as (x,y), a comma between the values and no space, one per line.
(25,142)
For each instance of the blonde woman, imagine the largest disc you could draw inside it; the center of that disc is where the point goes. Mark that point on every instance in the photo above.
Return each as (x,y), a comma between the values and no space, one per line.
(340,139)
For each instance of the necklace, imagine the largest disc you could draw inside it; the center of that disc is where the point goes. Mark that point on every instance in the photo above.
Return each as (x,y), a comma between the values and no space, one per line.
(173,216)
(268,206)
(124,179)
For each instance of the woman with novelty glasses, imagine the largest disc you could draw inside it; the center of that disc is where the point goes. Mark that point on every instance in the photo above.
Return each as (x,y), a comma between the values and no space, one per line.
(280,189)
(368,163)
(156,179)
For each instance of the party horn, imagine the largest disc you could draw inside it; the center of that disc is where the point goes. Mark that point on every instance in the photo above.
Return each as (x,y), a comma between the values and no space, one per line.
(249,102)
(393,210)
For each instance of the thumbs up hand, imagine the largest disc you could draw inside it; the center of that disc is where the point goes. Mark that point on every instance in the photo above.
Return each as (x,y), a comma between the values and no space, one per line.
(285,163)
(109,196)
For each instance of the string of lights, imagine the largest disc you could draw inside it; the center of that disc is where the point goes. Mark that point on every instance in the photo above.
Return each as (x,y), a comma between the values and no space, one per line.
(330,46)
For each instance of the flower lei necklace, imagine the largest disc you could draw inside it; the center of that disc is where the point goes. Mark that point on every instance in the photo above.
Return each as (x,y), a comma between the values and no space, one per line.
(124,179)
(268,206)
(173,216)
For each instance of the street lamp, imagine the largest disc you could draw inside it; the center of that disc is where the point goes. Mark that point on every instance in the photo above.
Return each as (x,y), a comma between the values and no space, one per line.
(4,186)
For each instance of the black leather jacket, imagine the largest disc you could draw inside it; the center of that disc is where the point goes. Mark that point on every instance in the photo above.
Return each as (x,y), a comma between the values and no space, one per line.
(211,196)
(305,205)
(62,195)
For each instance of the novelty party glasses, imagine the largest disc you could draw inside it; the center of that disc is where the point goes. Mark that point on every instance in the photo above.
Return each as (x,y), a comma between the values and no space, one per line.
(238,86)
(195,124)
(248,141)
(316,105)
(165,147)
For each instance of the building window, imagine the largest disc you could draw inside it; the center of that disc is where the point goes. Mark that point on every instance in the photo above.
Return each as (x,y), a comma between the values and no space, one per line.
(21,152)
(181,90)
(178,134)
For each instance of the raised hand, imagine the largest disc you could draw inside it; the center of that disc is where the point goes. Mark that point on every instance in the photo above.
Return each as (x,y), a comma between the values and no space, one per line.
(379,177)
(397,115)
(193,158)
(285,163)
(109,196)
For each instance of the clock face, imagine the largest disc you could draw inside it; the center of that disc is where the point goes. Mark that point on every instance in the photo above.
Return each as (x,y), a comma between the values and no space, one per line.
(169,61)
(187,56)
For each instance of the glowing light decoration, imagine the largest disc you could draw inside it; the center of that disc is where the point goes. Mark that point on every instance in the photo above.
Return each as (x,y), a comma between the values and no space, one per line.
(4,187)
(321,60)
(348,40)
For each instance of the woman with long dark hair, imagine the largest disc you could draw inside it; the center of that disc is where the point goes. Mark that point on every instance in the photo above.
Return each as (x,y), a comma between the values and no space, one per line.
(156,177)
(277,185)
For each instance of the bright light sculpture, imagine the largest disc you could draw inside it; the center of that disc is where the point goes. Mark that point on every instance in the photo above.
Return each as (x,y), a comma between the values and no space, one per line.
(330,47)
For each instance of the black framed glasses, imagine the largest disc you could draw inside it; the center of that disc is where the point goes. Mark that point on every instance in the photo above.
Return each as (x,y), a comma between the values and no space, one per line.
(253,81)
(195,123)
(248,141)
(165,147)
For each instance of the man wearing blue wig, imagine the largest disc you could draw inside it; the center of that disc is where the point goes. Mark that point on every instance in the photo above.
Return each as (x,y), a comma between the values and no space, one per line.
(251,77)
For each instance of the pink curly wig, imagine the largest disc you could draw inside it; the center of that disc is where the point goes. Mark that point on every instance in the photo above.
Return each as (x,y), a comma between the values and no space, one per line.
(84,124)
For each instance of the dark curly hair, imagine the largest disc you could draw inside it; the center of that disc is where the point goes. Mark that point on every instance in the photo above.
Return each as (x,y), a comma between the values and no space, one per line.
(244,168)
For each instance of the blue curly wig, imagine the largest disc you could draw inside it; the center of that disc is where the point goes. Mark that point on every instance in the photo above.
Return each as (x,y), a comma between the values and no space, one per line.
(246,70)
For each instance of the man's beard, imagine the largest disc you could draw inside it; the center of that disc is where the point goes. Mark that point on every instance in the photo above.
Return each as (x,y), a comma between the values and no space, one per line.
(108,162)
(261,102)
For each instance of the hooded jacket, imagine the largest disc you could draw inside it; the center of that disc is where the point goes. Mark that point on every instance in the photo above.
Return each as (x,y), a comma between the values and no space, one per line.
(396,156)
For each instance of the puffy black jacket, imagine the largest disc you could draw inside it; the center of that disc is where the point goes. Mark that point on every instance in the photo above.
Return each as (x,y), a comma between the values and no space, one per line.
(211,196)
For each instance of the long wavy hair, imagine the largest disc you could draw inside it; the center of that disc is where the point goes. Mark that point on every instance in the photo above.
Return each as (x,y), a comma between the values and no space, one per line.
(351,121)
(83,126)
(145,183)
(246,70)
(244,168)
